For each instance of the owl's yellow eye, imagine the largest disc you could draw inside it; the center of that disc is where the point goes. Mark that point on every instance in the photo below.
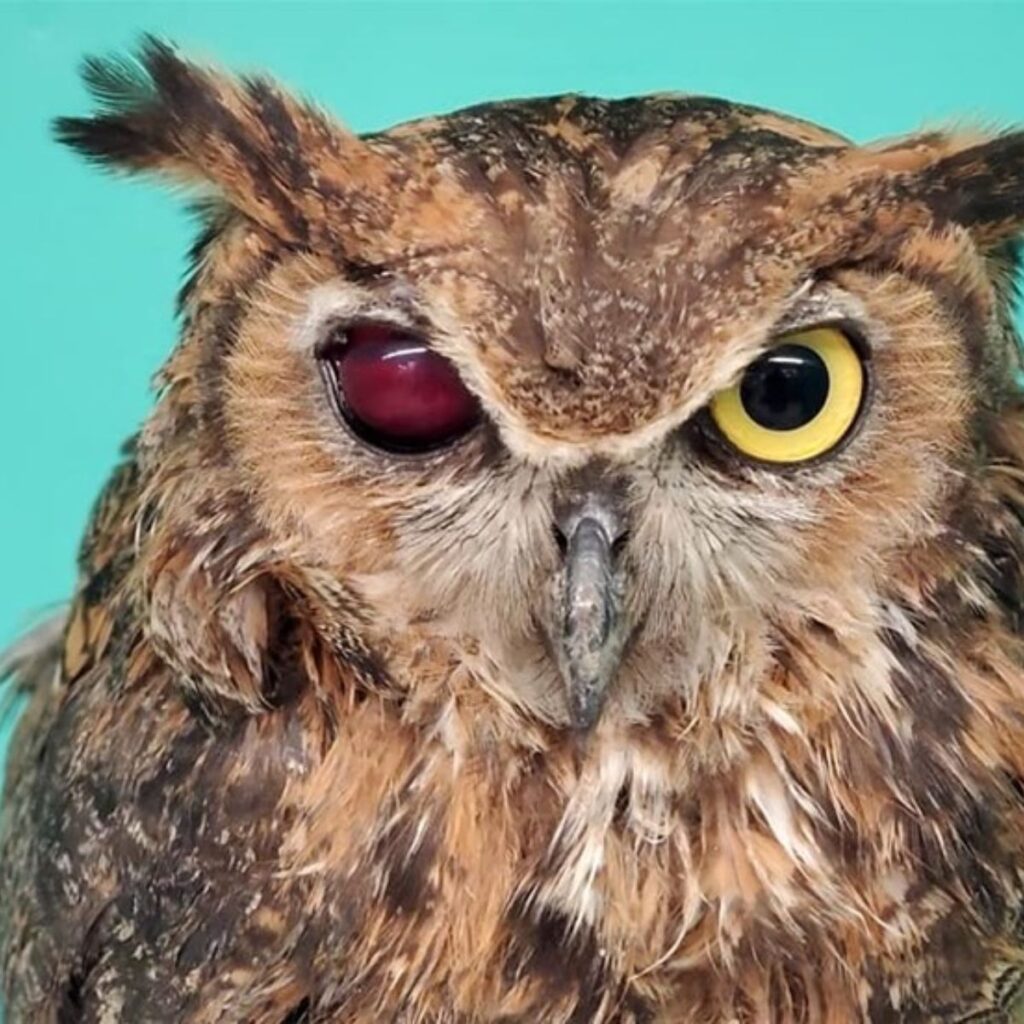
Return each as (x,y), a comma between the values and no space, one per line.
(795,402)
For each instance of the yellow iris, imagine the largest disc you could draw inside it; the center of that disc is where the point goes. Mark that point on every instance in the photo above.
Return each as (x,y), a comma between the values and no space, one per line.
(795,402)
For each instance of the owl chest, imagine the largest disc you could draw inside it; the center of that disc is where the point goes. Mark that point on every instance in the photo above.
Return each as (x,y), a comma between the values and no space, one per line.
(396,871)
(543,887)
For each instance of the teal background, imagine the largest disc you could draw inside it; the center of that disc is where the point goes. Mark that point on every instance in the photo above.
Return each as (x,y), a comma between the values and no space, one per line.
(90,264)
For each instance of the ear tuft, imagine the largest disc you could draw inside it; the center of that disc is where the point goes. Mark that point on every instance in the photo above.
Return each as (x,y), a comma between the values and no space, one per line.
(132,126)
(981,188)
(119,83)
(255,147)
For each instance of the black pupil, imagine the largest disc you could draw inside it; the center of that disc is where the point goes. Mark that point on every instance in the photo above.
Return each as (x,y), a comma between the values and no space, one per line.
(786,388)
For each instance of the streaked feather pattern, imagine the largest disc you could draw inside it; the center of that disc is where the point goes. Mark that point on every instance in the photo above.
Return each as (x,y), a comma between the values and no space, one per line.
(301,751)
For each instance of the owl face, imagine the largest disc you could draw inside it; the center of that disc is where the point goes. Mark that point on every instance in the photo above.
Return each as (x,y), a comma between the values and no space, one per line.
(598,399)
(475,529)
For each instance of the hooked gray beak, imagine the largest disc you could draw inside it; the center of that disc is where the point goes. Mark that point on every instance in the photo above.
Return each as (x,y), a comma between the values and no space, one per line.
(592,633)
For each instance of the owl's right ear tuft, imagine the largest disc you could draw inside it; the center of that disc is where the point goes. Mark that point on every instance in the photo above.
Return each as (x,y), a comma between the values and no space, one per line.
(245,140)
(128,129)
(148,115)
(162,114)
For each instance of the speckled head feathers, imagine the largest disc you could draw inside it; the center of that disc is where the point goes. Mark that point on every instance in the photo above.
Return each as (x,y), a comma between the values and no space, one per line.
(583,233)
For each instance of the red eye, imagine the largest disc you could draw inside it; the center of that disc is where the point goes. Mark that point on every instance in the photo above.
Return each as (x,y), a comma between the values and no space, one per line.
(397,393)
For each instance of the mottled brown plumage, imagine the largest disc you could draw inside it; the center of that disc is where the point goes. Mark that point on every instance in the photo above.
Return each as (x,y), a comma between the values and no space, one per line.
(306,750)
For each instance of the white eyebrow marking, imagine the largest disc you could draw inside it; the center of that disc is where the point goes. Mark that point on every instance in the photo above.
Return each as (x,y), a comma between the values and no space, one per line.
(338,301)
(817,302)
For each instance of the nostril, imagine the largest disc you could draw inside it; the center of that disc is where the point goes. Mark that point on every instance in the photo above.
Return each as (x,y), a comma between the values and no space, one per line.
(561,540)
(615,547)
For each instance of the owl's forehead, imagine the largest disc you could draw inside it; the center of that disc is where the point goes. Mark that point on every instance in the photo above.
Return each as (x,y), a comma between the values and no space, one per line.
(595,247)
(562,133)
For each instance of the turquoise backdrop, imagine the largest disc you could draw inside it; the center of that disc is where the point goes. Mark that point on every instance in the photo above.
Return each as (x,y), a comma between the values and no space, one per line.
(90,264)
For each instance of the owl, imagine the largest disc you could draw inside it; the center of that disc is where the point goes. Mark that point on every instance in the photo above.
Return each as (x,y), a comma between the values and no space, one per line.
(571,572)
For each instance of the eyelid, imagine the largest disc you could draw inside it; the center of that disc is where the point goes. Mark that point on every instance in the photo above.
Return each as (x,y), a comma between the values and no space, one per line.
(853,329)
(821,300)
(333,332)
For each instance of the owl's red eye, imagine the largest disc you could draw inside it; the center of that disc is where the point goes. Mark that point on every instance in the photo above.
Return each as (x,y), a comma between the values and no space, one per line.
(394,391)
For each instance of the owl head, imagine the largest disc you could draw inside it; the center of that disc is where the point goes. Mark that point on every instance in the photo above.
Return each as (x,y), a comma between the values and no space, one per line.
(581,413)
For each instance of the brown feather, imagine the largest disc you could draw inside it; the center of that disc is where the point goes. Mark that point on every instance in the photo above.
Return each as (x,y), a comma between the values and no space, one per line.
(303,751)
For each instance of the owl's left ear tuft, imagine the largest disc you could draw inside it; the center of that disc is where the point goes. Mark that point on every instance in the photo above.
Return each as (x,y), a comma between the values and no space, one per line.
(981,188)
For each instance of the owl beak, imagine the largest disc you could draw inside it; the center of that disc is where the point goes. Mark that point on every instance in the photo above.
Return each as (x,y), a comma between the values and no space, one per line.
(592,636)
